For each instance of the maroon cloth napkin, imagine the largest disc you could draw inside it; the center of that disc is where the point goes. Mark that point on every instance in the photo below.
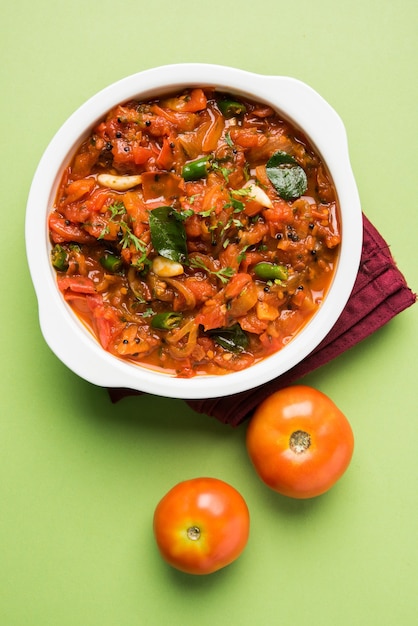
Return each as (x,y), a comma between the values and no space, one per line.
(379,293)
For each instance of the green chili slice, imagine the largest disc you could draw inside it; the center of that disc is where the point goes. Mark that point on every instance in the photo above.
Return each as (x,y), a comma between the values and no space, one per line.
(166,321)
(231,108)
(196,169)
(270,271)
(111,262)
(59,258)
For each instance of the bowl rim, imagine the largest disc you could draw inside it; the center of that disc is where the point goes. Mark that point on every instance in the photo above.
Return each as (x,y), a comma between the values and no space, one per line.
(297,102)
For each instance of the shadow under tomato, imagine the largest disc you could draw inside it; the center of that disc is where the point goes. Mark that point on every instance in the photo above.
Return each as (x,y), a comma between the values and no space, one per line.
(189,583)
(296,508)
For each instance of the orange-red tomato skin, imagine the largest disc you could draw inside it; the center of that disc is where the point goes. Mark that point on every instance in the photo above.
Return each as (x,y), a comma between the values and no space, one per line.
(213,507)
(299,474)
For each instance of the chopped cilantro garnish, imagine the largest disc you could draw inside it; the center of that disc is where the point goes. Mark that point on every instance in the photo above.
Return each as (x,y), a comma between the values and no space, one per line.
(117,208)
(236,204)
(129,238)
(228,139)
(206,213)
(224,274)
(105,231)
(242,254)
(223,170)
(183,215)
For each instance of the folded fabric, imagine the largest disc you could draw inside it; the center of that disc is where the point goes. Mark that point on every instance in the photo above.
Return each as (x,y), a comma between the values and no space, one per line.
(380,292)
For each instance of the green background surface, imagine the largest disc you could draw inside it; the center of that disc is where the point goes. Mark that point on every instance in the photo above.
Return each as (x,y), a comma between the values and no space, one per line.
(79,478)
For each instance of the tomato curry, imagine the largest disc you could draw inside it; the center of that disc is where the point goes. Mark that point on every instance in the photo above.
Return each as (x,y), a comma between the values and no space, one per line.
(194,233)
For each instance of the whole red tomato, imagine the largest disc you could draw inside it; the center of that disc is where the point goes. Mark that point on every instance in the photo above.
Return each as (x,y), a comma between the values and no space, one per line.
(201,525)
(299,442)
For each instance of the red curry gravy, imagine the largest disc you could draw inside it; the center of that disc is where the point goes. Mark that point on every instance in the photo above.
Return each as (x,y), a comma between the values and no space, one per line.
(195,233)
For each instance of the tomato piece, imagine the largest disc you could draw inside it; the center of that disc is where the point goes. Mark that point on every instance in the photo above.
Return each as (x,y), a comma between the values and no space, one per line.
(183,121)
(251,258)
(84,162)
(236,363)
(193,226)
(191,102)
(280,214)
(269,343)
(201,525)
(252,207)
(62,231)
(215,198)
(161,185)
(104,331)
(122,152)
(236,285)
(137,210)
(254,235)
(79,188)
(141,154)
(165,159)
(262,110)
(244,302)
(299,442)
(77,284)
(201,289)
(196,102)
(252,324)
(77,213)
(229,257)
(129,152)
(103,319)
(211,315)
(247,137)
(191,143)
(98,199)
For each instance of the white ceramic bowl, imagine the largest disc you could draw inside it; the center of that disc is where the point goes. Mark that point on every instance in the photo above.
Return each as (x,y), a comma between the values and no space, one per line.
(73,344)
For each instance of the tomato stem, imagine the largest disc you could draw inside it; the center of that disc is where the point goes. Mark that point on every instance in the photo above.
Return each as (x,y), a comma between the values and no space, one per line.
(299,441)
(193,533)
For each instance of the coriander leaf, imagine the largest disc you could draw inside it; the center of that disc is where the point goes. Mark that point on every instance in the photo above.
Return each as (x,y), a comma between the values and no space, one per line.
(117,208)
(244,191)
(184,214)
(236,205)
(228,139)
(128,238)
(206,213)
(224,274)
(223,170)
(105,231)
(242,254)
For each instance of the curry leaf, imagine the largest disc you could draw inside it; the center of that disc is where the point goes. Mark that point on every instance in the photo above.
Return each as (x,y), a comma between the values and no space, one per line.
(287,177)
(168,235)
(232,338)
